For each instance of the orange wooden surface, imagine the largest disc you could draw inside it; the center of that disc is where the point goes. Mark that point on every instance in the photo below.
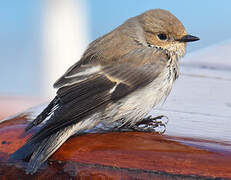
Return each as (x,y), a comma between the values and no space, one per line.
(127,155)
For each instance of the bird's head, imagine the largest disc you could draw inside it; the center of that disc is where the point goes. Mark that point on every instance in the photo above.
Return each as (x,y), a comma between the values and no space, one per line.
(164,31)
(156,28)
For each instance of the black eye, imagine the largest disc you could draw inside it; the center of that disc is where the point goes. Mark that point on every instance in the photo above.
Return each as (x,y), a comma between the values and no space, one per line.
(162,36)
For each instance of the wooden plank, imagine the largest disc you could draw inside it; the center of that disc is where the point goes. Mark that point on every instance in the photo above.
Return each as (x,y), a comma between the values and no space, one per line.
(127,155)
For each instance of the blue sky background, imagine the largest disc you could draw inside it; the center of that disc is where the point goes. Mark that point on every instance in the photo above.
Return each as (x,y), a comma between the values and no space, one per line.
(20,22)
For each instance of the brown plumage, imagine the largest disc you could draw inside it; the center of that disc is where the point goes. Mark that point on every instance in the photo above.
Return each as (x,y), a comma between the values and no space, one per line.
(120,78)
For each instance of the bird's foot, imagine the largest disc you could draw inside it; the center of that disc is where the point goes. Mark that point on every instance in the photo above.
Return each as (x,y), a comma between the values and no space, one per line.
(148,124)
(152,124)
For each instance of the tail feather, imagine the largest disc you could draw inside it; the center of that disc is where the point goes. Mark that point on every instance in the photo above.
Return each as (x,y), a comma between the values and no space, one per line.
(24,152)
(27,150)
(37,152)
(47,147)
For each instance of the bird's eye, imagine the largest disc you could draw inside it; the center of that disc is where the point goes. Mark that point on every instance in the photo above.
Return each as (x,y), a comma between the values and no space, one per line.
(162,36)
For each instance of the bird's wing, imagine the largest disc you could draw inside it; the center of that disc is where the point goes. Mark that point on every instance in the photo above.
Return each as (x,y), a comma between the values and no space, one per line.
(84,91)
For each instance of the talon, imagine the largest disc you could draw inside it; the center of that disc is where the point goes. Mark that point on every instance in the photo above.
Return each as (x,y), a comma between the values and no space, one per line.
(148,124)
(152,124)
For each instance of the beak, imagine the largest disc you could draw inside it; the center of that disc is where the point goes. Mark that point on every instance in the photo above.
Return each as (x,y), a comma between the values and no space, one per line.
(188,38)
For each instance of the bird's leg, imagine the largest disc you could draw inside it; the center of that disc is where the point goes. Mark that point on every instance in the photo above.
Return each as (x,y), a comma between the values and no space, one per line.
(148,124)
(151,124)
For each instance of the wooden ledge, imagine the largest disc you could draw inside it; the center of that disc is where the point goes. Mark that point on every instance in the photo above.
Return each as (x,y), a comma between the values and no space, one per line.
(126,155)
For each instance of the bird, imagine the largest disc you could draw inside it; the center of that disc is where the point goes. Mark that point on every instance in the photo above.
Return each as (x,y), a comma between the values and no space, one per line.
(119,79)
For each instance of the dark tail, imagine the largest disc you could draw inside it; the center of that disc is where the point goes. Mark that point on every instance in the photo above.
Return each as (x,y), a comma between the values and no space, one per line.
(24,152)
(33,148)
(38,152)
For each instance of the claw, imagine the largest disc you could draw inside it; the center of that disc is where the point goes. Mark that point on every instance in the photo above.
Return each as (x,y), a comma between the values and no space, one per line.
(151,124)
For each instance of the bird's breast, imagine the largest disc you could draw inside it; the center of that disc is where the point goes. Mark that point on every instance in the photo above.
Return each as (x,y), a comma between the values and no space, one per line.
(135,106)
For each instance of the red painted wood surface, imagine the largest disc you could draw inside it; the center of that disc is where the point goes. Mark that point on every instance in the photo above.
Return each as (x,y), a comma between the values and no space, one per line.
(127,155)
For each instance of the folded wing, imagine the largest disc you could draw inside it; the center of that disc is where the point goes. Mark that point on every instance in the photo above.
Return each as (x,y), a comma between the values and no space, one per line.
(87,88)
